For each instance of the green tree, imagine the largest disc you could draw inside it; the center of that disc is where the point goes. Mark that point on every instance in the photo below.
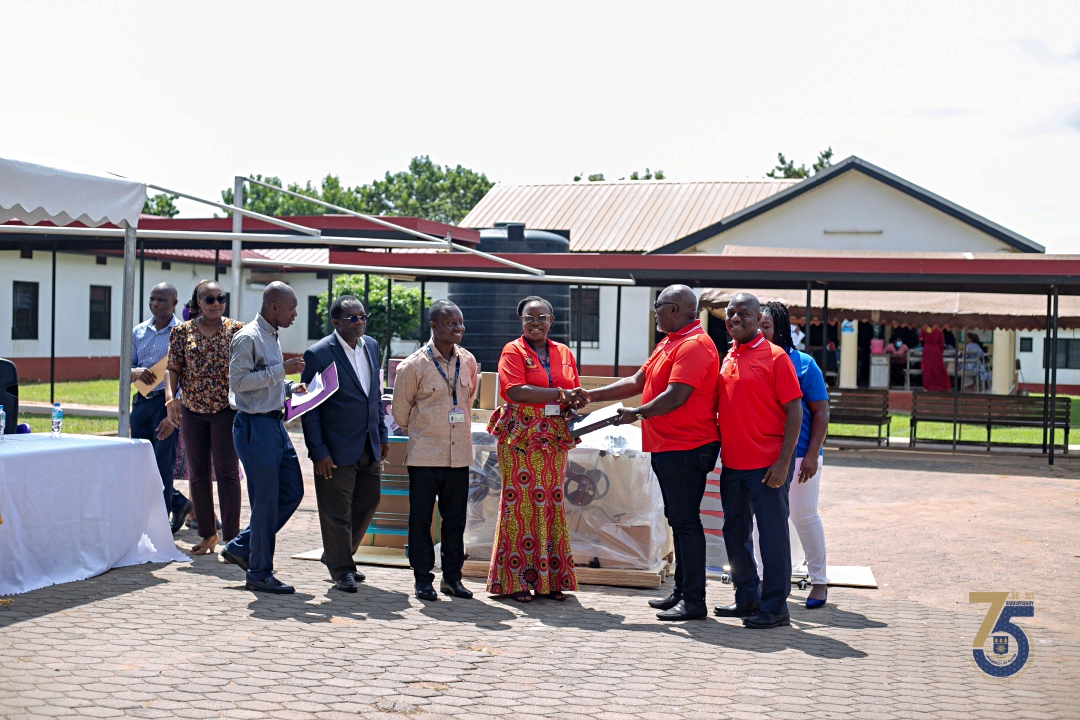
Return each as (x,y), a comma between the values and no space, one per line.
(786,168)
(404,308)
(599,177)
(425,190)
(161,204)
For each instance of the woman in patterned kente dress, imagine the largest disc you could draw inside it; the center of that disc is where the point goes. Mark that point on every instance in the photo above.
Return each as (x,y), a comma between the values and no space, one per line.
(537,379)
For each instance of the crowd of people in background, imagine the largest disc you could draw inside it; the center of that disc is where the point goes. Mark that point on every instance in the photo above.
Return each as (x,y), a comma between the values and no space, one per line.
(761,410)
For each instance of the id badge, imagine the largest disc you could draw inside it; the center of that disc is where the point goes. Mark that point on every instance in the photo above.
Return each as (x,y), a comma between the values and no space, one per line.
(552,410)
(457,415)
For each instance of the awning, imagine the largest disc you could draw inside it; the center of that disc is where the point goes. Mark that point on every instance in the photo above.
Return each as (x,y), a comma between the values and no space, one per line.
(36,193)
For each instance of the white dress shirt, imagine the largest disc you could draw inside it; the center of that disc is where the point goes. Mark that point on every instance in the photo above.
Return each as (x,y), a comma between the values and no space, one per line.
(359,359)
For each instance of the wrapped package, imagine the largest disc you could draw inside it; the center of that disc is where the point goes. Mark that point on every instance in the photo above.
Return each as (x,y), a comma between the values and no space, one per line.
(613,505)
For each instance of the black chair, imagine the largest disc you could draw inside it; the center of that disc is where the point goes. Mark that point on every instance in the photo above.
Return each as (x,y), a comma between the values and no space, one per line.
(9,394)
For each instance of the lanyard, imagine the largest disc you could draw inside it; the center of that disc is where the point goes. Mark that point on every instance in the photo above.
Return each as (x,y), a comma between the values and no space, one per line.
(546,364)
(457,371)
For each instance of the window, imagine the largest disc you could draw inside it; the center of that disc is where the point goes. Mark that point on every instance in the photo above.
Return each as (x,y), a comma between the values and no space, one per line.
(24,311)
(314,322)
(101,260)
(166,265)
(1068,355)
(26,254)
(585,316)
(1025,344)
(100,312)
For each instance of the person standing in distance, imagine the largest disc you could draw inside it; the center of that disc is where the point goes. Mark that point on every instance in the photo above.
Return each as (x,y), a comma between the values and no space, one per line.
(678,392)
(346,438)
(433,396)
(149,416)
(257,389)
(760,417)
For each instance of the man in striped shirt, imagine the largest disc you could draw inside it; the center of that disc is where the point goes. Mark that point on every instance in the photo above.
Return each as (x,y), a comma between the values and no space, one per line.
(149,418)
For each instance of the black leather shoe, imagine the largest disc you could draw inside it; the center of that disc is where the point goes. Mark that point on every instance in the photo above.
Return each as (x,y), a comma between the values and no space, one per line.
(234,559)
(456,589)
(345,583)
(359,576)
(682,611)
(667,603)
(734,610)
(424,591)
(764,620)
(270,585)
(179,516)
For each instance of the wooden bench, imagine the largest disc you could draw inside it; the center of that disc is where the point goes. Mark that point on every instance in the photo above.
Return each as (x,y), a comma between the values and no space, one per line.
(988,411)
(860,406)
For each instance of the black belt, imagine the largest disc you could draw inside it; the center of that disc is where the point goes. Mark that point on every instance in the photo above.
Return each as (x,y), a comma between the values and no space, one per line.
(275,414)
(154,394)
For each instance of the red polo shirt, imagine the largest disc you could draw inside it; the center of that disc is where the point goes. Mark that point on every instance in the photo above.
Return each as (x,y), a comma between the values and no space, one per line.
(756,380)
(687,356)
(520,365)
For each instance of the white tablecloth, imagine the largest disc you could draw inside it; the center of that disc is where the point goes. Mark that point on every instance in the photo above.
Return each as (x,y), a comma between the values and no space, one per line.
(76,506)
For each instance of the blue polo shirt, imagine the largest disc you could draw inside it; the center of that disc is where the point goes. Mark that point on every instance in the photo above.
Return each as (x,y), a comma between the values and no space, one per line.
(812,384)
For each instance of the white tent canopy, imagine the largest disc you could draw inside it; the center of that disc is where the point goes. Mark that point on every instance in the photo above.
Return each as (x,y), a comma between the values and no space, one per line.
(36,193)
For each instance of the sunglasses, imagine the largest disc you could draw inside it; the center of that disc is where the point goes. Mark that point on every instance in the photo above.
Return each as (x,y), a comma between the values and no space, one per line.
(533,319)
(657,305)
(355,318)
(211,299)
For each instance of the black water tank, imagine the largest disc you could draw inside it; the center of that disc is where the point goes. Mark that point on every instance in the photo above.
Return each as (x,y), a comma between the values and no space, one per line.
(490,309)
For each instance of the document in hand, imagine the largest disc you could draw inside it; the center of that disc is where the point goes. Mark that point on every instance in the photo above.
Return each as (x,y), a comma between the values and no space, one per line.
(159,374)
(322,386)
(595,420)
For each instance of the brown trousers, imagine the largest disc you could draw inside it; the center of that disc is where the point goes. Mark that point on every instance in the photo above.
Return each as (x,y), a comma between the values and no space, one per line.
(208,436)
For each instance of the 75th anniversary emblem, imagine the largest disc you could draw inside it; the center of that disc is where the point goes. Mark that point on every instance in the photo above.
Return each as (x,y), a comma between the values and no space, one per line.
(1001,649)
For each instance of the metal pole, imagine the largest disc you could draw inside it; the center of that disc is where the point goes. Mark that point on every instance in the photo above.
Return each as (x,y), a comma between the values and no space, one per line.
(237,310)
(1053,377)
(577,324)
(330,301)
(389,334)
(423,312)
(367,292)
(825,332)
(127,316)
(142,277)
(618,327)
(809,310)
(52,333)
(1046,370)
(217,263)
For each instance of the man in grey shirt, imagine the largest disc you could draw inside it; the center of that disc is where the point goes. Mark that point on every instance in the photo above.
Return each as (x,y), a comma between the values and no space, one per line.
(257,389)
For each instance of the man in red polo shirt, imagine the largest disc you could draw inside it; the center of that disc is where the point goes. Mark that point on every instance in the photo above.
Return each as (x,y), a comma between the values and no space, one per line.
(760,414)
(678,392)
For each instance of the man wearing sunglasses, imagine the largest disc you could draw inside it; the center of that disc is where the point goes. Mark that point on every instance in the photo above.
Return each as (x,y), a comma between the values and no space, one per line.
(346,438)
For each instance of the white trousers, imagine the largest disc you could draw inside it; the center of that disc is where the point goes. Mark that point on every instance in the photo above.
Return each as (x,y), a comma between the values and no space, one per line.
(803,513)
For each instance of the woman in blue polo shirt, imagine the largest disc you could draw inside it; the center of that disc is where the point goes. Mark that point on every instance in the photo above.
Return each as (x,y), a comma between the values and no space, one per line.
(803,494)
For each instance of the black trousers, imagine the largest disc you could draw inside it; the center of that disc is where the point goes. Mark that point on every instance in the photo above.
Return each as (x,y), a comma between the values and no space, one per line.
(451,487)
(347,502)
(681,474)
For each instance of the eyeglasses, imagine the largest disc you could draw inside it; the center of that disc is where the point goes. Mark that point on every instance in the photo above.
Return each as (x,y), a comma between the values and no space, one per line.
(356,318)
(536,319)
(657,305)
(211,299)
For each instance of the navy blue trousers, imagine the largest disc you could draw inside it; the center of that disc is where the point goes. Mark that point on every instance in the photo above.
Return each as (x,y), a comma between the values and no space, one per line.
(681,474)
(745,497)
(275,488)
(146,415)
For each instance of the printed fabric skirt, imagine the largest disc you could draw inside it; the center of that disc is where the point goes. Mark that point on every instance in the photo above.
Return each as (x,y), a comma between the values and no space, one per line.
(532,542)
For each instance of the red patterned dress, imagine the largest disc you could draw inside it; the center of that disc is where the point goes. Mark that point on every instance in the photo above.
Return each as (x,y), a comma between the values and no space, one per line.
(531,550)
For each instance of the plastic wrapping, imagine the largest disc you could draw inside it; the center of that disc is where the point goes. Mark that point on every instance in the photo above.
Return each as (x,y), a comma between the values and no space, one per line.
(612,500)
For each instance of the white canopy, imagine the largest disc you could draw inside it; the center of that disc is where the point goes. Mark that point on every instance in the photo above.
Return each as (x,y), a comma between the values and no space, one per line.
(35,193)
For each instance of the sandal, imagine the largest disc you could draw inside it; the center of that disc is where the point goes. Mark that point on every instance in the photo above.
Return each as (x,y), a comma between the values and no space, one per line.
(557,595)
(522,597)
(206,546)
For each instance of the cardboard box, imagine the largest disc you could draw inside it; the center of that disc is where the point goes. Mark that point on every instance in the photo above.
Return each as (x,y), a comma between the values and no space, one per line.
(481,416)
(489,390)
(591,382)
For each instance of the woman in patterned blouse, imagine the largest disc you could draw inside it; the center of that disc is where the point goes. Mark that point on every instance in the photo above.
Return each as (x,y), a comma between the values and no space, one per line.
(199,364)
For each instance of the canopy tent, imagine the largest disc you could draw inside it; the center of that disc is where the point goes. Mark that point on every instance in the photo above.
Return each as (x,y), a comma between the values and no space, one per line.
(35,193)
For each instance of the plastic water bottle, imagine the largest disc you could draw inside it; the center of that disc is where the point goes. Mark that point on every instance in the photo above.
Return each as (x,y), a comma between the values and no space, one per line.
(3,422)
(57,419)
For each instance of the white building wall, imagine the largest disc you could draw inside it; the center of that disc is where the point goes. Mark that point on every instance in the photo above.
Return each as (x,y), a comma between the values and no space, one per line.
(856,212)
(1031,363)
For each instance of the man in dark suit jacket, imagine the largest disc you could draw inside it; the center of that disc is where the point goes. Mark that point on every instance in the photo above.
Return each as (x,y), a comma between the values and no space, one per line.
(346,438)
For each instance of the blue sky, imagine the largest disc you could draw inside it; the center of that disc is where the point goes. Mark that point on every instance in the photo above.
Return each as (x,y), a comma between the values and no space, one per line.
(976,101)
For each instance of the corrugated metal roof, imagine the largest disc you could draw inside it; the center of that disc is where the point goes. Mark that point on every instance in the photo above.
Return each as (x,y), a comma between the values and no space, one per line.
(631,216)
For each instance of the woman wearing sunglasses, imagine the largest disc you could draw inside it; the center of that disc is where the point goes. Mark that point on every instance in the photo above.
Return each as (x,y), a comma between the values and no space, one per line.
(199,365)
(538,380)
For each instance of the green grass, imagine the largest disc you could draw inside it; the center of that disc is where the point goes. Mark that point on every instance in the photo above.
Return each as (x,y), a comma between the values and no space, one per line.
(87,392)
(72,424)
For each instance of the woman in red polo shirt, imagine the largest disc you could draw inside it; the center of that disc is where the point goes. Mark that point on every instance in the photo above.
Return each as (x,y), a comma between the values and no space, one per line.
(537,377)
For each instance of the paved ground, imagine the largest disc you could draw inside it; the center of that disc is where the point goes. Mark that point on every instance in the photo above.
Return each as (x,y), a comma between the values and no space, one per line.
(186,640)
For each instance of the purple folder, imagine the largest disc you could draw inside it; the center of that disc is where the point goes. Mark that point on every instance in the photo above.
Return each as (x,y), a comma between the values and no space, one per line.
(322,386)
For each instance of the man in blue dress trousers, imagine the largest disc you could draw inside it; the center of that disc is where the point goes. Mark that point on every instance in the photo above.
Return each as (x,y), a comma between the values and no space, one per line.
(346,438)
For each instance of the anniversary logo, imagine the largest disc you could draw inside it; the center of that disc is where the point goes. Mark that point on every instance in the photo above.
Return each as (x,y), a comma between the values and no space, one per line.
(1001,649)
